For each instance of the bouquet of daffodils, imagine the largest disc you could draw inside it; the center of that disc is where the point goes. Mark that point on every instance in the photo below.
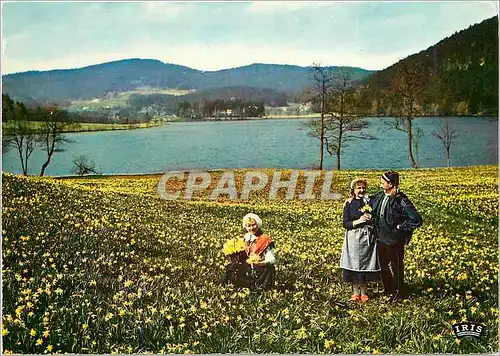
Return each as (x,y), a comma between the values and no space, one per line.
(234,248)
(366,208)
(253,259)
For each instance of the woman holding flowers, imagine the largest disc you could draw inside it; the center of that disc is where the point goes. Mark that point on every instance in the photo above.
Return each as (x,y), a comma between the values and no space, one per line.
(359,259)
(252,258)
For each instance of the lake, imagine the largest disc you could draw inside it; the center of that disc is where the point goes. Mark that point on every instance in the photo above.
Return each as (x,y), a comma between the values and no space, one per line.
(263,143)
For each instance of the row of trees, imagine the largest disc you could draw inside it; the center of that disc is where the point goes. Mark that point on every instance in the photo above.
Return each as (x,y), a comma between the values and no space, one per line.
(342,107)
(106,115)
(24,136)
(220,108)
(236,101)
(196,109)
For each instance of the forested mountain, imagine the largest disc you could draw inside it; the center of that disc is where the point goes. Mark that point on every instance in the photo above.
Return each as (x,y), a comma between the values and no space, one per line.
(97,80)
(94,81)
(459,74)
(281,77)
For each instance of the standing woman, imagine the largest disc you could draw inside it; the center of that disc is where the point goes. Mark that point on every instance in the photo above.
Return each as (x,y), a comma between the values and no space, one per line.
(359,259)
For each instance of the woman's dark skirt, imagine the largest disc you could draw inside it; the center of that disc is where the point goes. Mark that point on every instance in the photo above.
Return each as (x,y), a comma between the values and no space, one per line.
(360,277)
(243,276)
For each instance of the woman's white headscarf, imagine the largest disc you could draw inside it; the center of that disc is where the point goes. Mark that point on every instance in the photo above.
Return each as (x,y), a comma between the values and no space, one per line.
(254,217)
(356,181)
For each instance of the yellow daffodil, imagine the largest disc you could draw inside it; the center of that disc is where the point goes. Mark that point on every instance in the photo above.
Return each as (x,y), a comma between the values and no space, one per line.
(253,258)
(366,209)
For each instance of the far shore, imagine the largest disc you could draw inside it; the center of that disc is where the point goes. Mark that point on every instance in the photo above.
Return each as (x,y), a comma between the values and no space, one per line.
(96,127)
(157,175)
(318,115)
(91,127)
(85,127)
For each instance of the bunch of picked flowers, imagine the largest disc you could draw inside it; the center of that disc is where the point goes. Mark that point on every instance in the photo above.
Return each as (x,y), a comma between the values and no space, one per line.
(253,259)
(234,247)
(366,208)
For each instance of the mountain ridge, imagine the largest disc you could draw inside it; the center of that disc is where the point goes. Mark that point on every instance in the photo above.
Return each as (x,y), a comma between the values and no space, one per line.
(152,60)
(127,74)
(460,77)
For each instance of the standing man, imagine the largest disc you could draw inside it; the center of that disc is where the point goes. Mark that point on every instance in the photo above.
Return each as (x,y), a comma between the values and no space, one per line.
(395,218)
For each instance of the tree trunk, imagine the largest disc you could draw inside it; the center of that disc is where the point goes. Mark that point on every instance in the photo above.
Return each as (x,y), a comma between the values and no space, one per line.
(44,166)
(26,157)
(25,167)
(341,128)
(410,148)
(322,140)
(21,158)
(339,146)
(448,158)
(50,142)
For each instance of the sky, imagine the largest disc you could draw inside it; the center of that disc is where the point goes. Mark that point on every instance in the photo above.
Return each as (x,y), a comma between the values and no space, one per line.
(219,35)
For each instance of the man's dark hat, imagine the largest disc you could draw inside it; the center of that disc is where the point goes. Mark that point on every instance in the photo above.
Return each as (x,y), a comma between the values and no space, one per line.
(391,177)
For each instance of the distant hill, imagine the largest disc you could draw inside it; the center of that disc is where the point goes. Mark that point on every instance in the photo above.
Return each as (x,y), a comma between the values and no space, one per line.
(461,73)
(281,77)
(94,81)
(97,80)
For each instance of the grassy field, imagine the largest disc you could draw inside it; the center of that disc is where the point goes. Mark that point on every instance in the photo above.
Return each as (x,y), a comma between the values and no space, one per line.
(102,265)
(120,100)
(88,127)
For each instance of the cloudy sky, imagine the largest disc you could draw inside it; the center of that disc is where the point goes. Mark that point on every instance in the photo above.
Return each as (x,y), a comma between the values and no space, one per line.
(218,35)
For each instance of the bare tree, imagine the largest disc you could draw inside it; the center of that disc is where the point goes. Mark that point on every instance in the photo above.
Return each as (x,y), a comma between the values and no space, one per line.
(446,135)
(344,124)
(19,134)
(54,121)
(323,82)
(83,165)
(407,85)
(341,122)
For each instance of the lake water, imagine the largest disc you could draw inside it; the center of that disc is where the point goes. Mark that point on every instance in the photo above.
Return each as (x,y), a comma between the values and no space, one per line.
(262,143)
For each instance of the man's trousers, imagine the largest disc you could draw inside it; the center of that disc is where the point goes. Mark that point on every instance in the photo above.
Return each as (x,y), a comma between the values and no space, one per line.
(392,268)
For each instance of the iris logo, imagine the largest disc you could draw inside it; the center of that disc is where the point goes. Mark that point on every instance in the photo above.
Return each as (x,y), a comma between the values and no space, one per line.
(468,329)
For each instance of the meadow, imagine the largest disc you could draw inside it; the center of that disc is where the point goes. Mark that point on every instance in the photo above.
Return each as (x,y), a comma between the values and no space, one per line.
(88,127)
(103,265)
(120,99)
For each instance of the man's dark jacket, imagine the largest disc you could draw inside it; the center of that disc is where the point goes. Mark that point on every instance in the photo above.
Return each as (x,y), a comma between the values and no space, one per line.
(399,220)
